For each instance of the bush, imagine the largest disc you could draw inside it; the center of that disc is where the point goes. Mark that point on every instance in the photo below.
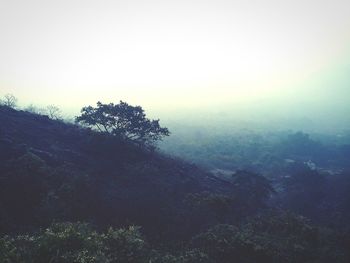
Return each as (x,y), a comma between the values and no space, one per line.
(226,243)
(125,245)
(75,243)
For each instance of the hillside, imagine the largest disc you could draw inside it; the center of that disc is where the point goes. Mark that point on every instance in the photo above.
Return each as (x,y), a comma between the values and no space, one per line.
(85,175)
(70,194)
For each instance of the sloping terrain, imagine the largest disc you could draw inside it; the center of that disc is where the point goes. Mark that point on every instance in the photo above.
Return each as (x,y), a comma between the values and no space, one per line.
(54,175)
(64,172)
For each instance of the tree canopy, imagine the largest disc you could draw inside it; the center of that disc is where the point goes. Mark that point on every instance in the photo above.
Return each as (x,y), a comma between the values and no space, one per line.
(252,188)
(124,120)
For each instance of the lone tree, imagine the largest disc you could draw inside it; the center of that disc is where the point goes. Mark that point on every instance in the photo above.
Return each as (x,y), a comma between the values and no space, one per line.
(53,112)
(124,120)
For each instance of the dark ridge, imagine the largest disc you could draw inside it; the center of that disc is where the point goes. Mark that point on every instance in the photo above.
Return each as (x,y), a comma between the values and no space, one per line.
(94,177)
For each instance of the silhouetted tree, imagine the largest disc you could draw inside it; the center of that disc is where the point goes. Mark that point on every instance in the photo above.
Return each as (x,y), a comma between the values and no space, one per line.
(53,112)
(123,120)
(9,100)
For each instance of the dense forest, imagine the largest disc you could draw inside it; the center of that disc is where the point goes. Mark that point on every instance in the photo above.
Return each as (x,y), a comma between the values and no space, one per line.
(72,192)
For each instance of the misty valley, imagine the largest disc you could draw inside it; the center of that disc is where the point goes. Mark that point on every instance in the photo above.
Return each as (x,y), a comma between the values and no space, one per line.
(116,186)
(174,131)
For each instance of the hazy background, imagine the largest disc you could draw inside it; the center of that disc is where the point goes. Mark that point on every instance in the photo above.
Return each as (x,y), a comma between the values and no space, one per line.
(285,61)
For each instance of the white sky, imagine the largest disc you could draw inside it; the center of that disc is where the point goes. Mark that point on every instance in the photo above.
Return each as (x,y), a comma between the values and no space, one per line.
(171,54)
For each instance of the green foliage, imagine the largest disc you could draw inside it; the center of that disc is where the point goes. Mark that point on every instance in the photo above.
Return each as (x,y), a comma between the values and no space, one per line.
(123,120)
(8,251)
(270,238)
(125,245)
(68,243)
(75,243)
(225,243)
(189,256)
(283,237)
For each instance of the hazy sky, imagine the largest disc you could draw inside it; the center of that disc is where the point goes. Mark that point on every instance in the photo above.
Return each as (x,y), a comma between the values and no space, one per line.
(174,54)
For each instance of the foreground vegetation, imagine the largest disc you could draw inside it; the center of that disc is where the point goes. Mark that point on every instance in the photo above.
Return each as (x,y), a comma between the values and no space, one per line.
(268,238)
